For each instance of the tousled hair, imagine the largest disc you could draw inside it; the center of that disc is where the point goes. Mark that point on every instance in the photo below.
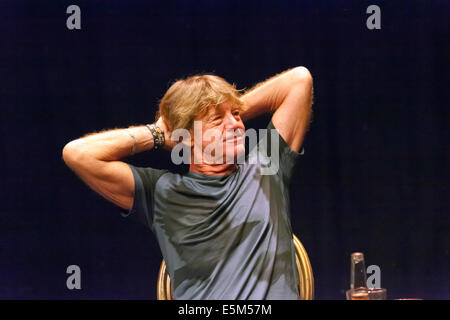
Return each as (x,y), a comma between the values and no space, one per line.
(188,98)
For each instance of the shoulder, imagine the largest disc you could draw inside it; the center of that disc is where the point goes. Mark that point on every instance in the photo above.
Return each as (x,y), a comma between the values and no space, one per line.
(147,175)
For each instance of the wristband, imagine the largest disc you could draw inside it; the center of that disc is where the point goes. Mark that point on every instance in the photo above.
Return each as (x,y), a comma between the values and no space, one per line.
(158,135)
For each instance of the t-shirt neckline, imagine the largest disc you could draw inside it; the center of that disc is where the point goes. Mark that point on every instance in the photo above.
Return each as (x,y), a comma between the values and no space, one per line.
(212,176)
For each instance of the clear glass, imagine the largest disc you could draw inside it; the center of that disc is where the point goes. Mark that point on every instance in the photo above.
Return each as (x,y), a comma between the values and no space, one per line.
(358,271)
(358,294)
(358,289)
(377,294)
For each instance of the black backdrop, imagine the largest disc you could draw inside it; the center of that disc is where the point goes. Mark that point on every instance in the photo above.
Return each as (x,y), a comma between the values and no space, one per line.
(374,178)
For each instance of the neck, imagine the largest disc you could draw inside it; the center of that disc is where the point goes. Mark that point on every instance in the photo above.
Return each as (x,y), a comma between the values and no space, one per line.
(213,169)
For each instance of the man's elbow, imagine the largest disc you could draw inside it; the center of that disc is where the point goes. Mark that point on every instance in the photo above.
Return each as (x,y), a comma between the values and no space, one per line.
(71,154)
(301,75)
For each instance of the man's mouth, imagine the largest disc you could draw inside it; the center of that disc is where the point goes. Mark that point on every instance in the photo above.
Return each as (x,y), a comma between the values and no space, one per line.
(239,134)
(233,139)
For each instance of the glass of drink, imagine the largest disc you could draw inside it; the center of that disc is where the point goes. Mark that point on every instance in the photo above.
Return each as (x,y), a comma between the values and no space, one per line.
(377,294)
(358,294)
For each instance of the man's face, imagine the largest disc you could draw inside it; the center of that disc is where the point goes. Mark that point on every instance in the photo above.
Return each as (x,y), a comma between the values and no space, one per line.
(223,134)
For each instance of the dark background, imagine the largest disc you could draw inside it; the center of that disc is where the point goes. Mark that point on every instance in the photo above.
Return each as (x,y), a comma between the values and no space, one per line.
(374,177)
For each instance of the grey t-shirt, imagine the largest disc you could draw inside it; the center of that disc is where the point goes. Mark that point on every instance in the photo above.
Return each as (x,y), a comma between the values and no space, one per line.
(223,237)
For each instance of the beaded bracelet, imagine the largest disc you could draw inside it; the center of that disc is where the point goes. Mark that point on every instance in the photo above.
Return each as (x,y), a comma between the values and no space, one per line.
(158,135)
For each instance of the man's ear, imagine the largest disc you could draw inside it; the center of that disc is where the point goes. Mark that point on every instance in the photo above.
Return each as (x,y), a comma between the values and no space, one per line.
(189,142)
(184,136)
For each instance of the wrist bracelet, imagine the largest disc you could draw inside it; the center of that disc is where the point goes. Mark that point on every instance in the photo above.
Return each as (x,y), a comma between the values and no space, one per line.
(133,149)
(158,135)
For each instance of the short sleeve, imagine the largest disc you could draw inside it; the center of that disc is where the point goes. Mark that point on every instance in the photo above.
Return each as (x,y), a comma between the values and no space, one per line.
(280,156)
(144,186)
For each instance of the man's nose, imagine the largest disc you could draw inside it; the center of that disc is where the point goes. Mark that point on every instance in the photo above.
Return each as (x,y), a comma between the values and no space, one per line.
(233,127)
(231,122)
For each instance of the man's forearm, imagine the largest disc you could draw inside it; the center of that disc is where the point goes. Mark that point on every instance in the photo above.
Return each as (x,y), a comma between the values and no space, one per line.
(268,95)
(110,145)
(95,158)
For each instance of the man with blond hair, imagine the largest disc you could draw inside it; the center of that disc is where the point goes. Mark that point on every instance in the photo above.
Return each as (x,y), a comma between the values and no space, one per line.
(224,227)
